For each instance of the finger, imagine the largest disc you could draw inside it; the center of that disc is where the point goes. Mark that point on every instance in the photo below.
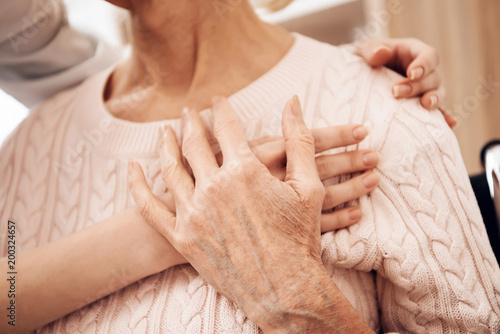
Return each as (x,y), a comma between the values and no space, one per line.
(279,173)
(344,163)
(273,156)
(350,190)
(340,218)
(374,51)
(168,200)
(301,172)
(433,98)
(426,61)
(263,140)
(195,146)
(271,152)
(338,136)
(450,120)
(173,172)
(152,209)
(407,89)
(273,148)
(228,130)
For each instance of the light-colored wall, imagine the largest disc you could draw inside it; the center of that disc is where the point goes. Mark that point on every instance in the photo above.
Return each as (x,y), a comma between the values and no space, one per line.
(331,21)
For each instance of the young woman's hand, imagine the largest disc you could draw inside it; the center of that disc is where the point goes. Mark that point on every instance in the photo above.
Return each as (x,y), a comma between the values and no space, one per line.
(271,152)
(415,60)
(254,238)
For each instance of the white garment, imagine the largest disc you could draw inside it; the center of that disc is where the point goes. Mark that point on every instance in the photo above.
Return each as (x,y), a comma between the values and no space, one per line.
(419,261)
(41,55)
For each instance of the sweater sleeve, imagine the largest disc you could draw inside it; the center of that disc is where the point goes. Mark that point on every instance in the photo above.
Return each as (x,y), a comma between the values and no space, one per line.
(436,271)
(422,230)
(41,54)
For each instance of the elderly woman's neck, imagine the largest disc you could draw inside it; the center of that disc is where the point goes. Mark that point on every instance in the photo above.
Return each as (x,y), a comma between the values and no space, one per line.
(184,55)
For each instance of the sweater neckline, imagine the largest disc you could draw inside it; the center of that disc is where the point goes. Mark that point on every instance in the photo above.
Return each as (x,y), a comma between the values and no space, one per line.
(124,138)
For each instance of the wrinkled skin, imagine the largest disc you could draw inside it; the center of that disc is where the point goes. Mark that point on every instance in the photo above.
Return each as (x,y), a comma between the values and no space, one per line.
(253,237)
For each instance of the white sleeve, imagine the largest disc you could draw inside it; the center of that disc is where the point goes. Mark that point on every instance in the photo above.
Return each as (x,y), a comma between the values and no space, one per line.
(40,54)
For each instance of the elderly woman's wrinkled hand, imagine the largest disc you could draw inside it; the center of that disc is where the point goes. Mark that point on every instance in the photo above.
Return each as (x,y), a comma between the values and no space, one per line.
(271,152)
(246,232)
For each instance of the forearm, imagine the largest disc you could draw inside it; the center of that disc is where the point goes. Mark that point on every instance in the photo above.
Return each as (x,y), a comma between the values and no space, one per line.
(67,274)
(316,305)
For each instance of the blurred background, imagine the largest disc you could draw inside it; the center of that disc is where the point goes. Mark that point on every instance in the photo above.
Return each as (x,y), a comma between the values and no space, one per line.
(465,32)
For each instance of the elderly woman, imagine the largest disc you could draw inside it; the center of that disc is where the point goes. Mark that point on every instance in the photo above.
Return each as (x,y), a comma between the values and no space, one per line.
(418,261)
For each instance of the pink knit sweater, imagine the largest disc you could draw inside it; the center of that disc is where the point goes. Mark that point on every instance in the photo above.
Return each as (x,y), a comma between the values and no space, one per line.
(419,261)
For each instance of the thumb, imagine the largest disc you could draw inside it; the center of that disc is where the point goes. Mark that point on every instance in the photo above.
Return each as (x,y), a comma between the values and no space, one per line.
(301,171)
(374,51)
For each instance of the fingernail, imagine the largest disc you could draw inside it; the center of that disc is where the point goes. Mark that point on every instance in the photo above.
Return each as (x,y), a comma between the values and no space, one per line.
(295,104)
(401,90)
(416,73)
(434,101)
(360,133)
(371,180)
(370,159)
(355,214)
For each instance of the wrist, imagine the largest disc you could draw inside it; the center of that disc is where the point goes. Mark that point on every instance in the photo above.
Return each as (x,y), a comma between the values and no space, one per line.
(153,249)
(311,303)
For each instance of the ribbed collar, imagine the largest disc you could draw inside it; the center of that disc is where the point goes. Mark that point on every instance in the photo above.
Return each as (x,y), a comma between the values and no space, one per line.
(121,138)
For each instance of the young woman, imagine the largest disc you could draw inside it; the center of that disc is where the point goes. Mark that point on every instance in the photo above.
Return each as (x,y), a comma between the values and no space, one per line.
(66,168)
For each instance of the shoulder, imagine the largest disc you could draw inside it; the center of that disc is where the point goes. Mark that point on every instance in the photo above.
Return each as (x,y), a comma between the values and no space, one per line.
(339,59)
(345,89)
(51,115)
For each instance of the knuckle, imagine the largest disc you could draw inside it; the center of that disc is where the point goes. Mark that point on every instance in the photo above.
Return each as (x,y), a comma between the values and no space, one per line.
(194,217)
(145,209)
(303,136)
(234,168)
(191,143)
(212,189)
(252,171)
(307,136)
(227,125)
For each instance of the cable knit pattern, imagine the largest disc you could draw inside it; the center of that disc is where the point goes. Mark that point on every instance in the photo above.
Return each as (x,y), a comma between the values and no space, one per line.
(419,261)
